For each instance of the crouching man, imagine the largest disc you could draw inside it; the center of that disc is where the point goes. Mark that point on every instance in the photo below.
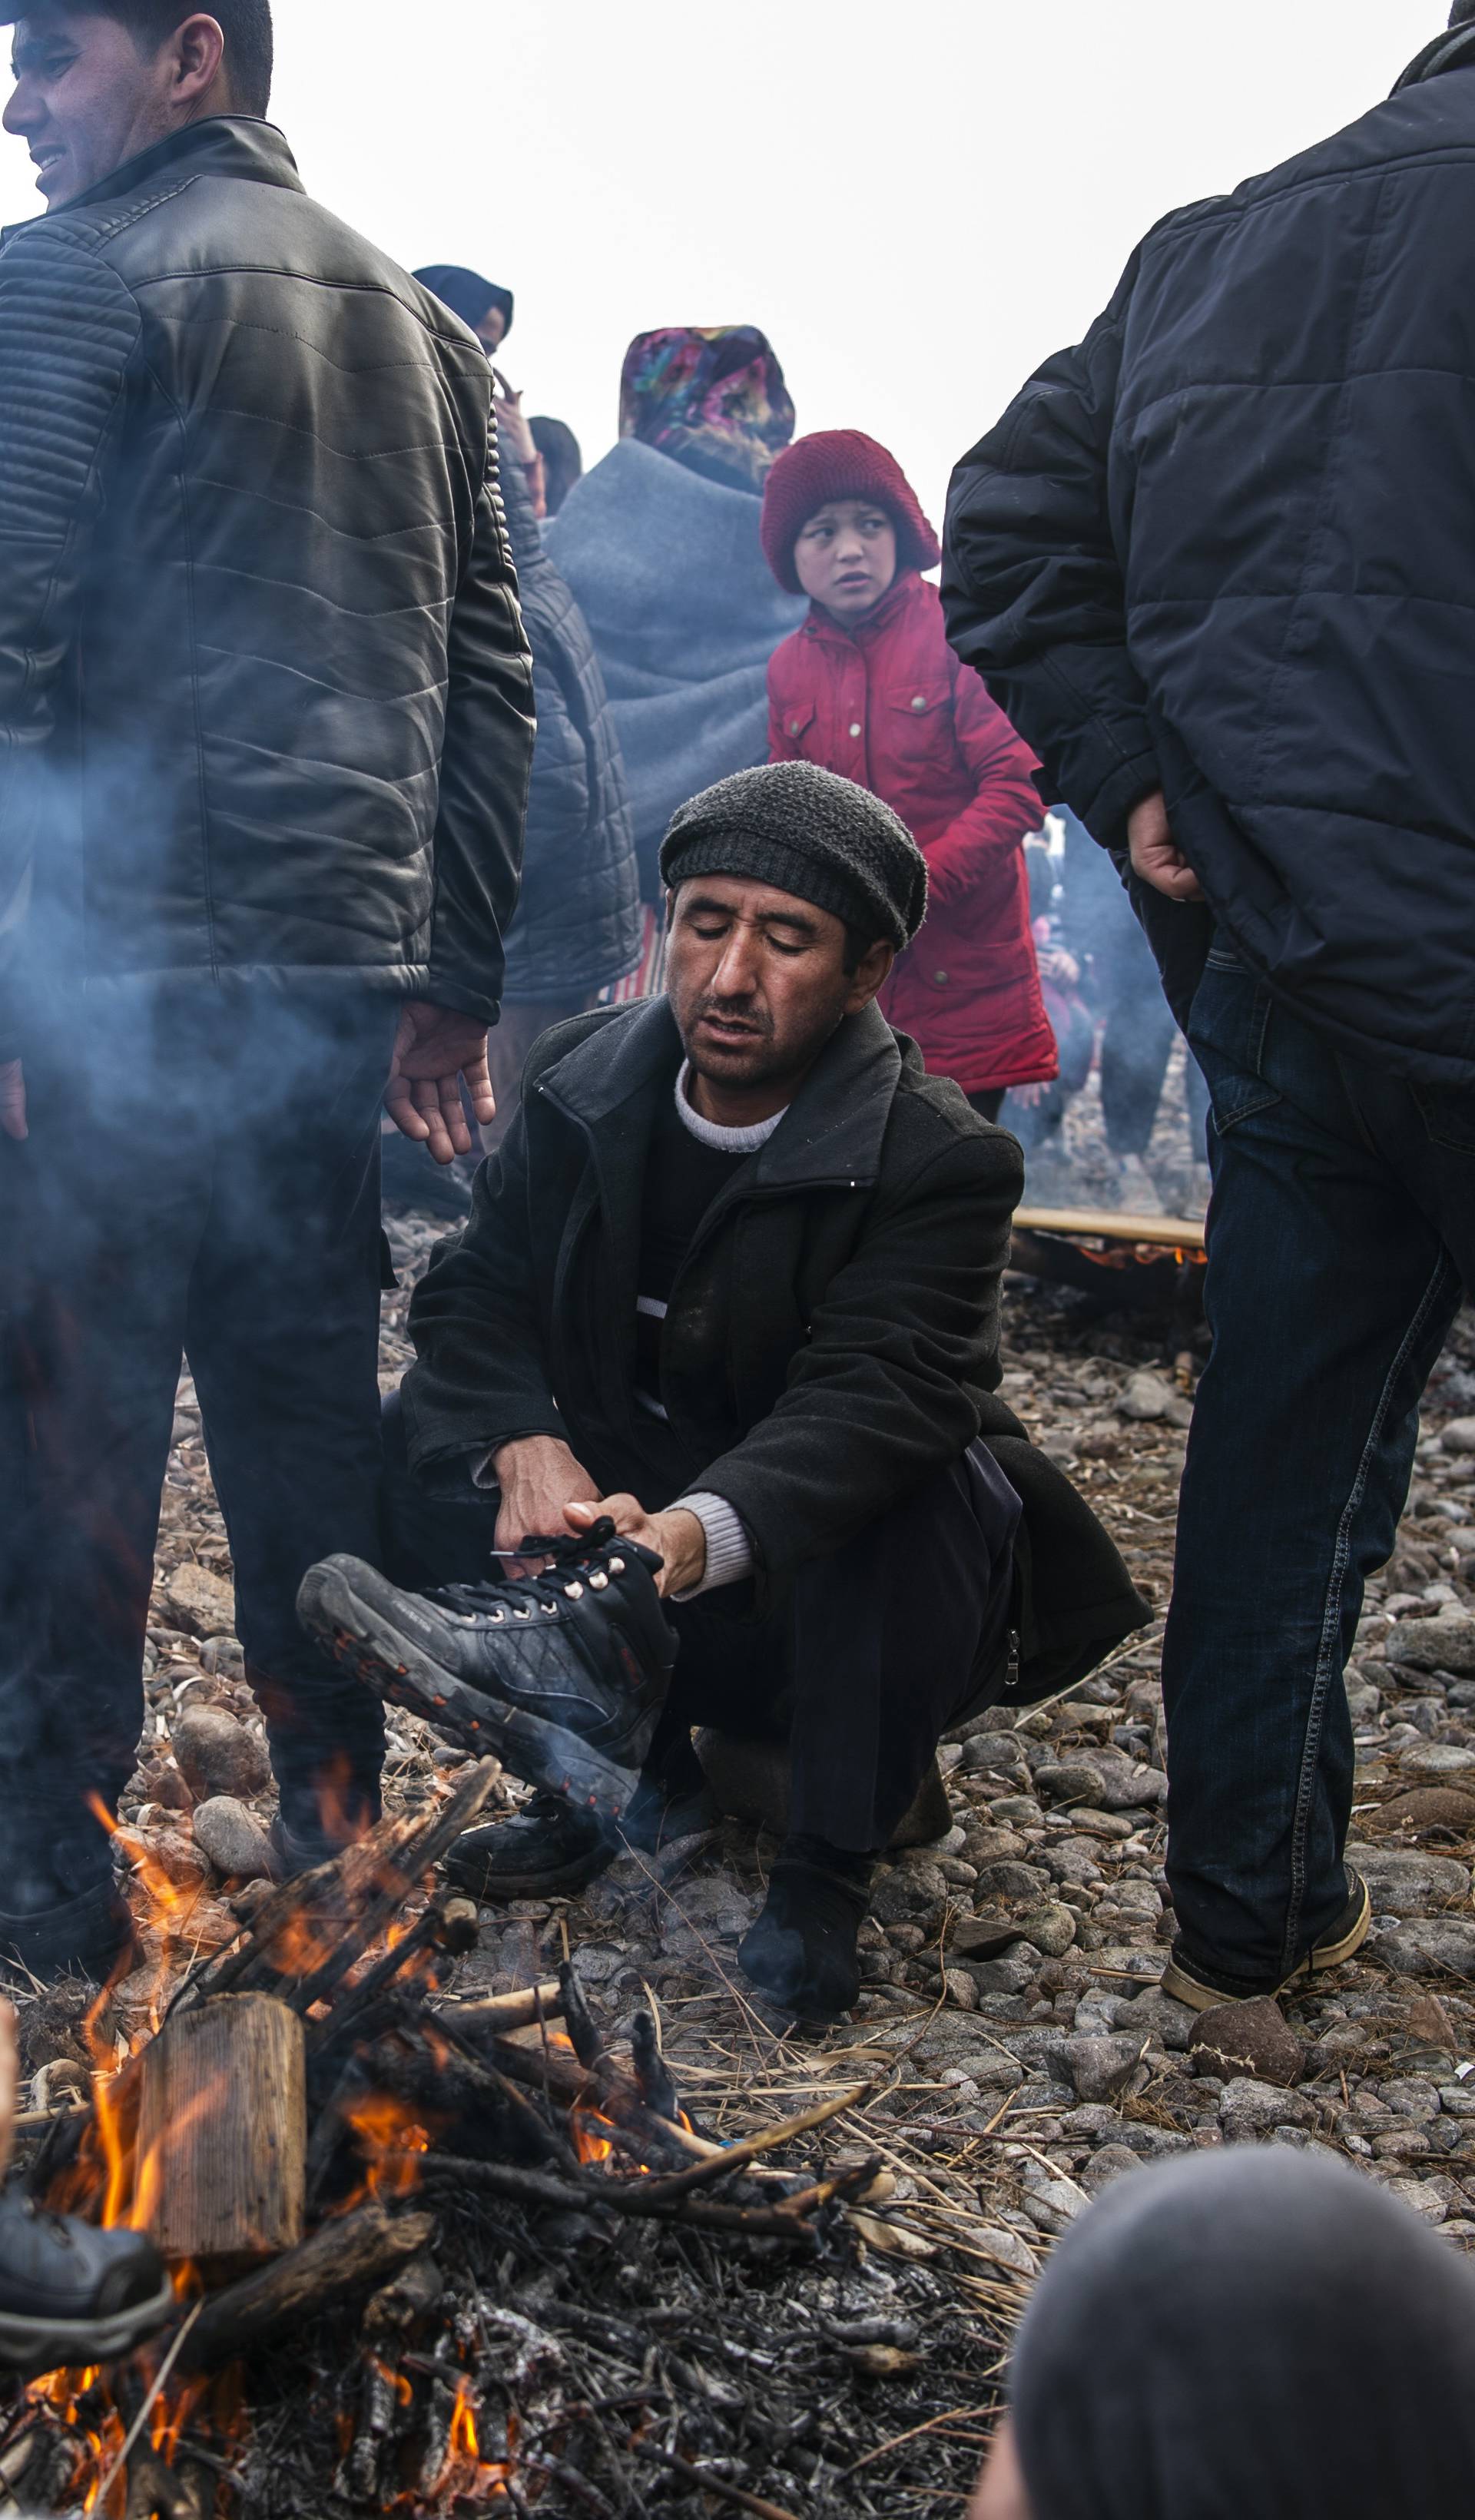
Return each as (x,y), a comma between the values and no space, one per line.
(731,1287)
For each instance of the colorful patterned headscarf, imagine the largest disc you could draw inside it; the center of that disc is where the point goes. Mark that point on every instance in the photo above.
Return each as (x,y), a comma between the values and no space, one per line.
(711,395)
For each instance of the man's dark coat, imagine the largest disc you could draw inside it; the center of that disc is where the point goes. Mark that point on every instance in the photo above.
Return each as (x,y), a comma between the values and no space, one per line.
(265,701)
(1225,548)
(830,1345)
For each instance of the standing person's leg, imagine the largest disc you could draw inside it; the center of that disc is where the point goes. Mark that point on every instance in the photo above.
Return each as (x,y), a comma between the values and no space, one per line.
(282,1336)
(103,1205)
(1329,1294)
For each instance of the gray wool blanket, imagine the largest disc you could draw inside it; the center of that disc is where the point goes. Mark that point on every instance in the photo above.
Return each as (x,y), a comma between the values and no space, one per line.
(684,616)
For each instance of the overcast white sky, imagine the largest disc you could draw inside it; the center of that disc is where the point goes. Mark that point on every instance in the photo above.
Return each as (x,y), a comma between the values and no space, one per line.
(918,203)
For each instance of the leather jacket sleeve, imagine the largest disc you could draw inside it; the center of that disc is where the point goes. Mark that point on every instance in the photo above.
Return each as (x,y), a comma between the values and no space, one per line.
(485,769)
(68,327)
(1032,586)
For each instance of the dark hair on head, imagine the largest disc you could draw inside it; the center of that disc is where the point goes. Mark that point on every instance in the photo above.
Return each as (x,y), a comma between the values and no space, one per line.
(563,459)
(1462,12)
(857,946)
(247,25)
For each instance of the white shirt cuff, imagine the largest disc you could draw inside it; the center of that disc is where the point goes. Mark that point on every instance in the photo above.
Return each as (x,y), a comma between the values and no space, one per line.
(729,1551)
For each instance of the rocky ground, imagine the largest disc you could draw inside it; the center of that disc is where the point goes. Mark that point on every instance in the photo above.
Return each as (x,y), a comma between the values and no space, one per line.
(1012,2025)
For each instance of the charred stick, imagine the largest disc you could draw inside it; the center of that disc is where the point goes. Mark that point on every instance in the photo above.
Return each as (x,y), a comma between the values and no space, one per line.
(321,1901)
(583,2029)
(707,2483)
(702,2174)
(423,1848)
(635,2197)
(449,1926)
(656,2087)
(498,2012)
(348,2256)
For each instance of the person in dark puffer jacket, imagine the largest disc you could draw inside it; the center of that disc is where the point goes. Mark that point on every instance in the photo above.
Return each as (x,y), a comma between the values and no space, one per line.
(577,926)
(265,734)
(1215,564)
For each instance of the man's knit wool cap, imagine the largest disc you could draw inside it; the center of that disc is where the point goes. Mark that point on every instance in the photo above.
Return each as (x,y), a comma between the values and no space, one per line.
(808,832)
(841,464)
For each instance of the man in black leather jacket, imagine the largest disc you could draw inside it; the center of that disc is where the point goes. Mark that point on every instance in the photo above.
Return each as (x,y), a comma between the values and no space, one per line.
(265,733)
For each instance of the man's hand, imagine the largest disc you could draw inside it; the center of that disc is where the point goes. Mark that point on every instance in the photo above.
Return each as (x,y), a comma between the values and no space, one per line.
(13,1100)
(539,1477)
(1155,856)
(676,1536)
(433,1050)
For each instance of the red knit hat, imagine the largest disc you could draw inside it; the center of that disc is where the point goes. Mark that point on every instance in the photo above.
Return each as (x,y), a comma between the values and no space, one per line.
(839,463)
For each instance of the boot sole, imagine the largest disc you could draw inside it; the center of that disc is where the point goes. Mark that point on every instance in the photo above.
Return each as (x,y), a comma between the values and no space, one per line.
(1185,1988)
(363,1641)
(35,2345)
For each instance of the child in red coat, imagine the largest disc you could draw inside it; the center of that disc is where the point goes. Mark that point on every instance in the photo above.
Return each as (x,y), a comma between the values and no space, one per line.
(869,687)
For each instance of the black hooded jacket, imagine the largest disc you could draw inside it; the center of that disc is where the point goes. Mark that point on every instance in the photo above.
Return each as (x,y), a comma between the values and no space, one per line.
(265,699)
(1223,548)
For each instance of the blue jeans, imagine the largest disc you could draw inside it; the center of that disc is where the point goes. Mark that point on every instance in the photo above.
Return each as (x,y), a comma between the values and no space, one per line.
(1342,1221)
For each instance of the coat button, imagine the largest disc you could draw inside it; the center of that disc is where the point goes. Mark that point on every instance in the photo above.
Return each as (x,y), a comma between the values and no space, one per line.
(921,701)
(856,730)
(940,979)
(793,726)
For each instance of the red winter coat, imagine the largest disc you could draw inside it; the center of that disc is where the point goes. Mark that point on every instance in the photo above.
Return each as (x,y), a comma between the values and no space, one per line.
(892,709)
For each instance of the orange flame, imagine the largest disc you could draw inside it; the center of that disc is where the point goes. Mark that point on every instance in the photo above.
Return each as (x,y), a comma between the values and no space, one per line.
(465,2475)
(391,2138)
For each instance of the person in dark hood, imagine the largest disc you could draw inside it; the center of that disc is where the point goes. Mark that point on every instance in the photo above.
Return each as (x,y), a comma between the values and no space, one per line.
(1213,564)
(1257,2334)
(487,311)
(562,459)
(480,303)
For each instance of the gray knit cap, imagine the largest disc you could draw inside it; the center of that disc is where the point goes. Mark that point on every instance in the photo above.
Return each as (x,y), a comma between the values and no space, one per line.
(808,832)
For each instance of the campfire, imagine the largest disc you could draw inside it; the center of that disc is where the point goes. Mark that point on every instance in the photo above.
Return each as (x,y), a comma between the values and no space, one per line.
(308,2124)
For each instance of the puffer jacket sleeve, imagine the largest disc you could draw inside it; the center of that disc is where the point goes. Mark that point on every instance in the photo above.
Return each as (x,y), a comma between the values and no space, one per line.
(1031,585)
(69,330)
(486,764)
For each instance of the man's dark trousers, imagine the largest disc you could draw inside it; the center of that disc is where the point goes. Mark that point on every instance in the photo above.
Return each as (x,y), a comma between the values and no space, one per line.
(201,1175)
(881,1647)
(1341,1227)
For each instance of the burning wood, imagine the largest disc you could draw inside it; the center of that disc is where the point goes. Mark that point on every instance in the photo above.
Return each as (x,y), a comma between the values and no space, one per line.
(312,2116)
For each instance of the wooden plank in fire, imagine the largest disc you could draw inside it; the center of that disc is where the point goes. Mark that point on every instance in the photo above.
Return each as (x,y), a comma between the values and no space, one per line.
(1112,1225)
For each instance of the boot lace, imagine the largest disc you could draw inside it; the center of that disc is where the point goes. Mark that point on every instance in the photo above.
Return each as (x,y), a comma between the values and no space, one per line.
(573,1557)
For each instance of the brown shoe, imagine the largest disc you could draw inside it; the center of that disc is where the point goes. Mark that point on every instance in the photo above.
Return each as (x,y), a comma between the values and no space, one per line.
(1188,1983)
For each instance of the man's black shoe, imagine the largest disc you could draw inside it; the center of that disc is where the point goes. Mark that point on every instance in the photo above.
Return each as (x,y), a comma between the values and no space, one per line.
(87,1936)
(1191,1982)
(550,1850)
(547,1851)
(70,2294)
(561,1675)
(801,1953)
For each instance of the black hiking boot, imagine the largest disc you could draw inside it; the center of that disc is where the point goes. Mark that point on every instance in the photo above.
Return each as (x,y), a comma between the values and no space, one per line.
(801,1953)
(546,1851)
(562,1676)
(72,2295)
